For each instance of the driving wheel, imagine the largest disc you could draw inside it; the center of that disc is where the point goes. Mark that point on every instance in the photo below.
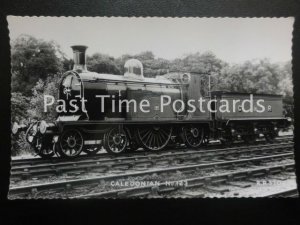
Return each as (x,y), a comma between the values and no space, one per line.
(155,137)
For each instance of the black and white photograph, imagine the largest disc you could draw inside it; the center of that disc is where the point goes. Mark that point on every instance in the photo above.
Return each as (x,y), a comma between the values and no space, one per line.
(154,107)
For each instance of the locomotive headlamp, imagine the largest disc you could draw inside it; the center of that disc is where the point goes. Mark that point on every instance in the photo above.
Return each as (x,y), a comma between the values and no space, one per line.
(43,127)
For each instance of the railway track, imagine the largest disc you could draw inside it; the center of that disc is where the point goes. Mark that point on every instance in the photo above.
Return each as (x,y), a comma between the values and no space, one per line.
(68,188)
(149,160)
(212,146)
(210,183)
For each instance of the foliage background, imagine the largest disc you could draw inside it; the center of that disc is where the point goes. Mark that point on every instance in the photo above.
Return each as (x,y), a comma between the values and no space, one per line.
(37,66)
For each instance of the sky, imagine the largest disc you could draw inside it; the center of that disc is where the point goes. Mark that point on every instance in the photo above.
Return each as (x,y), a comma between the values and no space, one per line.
(233,40)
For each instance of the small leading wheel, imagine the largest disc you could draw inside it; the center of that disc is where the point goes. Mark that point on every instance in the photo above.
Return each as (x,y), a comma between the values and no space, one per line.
(115,140)
(155,137)
(193,136)
(91,149)
(70,143)
(42,145)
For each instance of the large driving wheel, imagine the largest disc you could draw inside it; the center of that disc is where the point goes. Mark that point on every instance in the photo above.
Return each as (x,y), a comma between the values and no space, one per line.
(115,140)
(193,136)
(70,143)
(155,137)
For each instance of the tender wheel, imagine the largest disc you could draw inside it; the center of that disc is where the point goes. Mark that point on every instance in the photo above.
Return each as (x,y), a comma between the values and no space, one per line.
(205,141)
(193,136)
(155,137)
(270,134)
(115,140)
(70,143)
(249,139)
(269,137)
(227,141)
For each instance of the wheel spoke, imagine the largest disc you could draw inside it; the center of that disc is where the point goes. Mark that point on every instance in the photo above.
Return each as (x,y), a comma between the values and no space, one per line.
(154,138)
(115,140)
(160,140)
(146,134)
(164,133)
(155,141)
(191,140)
(148,137)
(150,141)
(71,143)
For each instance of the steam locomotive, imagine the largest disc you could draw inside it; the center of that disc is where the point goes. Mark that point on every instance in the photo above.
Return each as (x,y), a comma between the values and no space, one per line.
(93,118)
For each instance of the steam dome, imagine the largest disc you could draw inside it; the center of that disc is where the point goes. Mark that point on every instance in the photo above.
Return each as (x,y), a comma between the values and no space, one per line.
(133,69)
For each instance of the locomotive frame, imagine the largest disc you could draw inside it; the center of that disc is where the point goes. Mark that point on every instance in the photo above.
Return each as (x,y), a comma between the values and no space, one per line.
(120,132)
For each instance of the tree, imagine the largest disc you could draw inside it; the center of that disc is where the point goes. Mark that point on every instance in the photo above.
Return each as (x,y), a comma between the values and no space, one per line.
(286,82)
(152,66)
(33,59)
(19,114)
(101,63)
(257,76)
(48,87)
(286,89)
(206,63)
(19,104)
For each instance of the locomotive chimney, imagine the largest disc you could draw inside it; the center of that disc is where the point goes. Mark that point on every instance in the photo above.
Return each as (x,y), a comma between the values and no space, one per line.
(79,58)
